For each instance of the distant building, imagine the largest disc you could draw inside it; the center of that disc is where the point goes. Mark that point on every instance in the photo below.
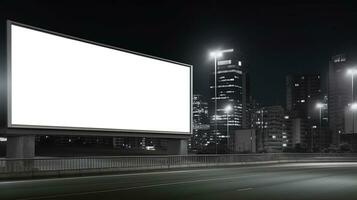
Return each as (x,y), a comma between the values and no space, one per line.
(303,95)
(271,130)
(300,134)
(252,107)
(231,90)
(339,95)
(245,141)
(200,111)
(201,136)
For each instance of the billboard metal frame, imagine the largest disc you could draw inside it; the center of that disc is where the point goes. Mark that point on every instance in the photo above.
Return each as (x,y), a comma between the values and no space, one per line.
(60,130)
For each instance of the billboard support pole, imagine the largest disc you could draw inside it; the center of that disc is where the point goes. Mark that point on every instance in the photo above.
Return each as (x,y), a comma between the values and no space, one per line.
(20,146)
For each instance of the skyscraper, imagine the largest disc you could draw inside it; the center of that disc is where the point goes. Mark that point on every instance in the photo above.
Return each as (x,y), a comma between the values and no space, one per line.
(271,129)
(339,95)
(302,94)
(200,137)
(231,90)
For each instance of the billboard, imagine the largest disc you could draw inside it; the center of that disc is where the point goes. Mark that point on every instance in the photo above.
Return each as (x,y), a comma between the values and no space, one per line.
(62,82)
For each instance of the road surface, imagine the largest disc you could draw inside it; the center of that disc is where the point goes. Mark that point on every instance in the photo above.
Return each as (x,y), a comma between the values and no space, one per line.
(279,181)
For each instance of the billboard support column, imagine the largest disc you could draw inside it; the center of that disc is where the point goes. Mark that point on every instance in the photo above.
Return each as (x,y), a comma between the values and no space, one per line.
(20,147)
(177,146)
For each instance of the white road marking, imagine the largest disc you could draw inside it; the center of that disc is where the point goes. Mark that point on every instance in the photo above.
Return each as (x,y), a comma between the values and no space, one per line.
(244,189)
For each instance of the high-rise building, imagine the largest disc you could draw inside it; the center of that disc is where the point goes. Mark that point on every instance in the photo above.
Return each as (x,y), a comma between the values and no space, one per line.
(201,136)
(304,101)
(231,90)
(302,94)
(339,95)
(200,111)
(271,130)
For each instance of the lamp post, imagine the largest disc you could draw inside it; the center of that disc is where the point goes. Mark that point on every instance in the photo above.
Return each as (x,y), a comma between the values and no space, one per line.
(352,72)
(227,110)
(318,106)
(353,108)
(216,54)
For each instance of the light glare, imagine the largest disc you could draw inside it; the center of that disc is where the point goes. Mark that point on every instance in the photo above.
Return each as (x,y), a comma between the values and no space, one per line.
(353,106)
(216,54)
(352,71)
(319,105)
(228,109)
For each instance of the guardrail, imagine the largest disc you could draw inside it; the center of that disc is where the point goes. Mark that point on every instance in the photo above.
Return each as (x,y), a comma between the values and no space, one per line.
(85,165)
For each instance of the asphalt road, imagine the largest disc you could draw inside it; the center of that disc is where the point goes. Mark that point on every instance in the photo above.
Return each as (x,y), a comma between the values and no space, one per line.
(279,181)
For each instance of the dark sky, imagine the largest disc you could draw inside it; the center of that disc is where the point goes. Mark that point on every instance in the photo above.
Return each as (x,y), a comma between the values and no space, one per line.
(275,38)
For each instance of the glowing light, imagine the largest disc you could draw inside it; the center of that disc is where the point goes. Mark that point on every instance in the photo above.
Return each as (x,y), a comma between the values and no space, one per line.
(352,71)
(353,106)
(216,54)
(319,105)
(228,109)
(150,148)
(219,53)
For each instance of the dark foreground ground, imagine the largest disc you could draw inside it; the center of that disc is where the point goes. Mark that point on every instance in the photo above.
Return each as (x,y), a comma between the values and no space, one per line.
(280,181)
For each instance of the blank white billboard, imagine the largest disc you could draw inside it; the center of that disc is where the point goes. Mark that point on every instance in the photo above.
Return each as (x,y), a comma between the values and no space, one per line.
(63,83)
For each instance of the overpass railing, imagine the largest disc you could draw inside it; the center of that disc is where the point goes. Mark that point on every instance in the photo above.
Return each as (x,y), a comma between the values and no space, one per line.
(81,165)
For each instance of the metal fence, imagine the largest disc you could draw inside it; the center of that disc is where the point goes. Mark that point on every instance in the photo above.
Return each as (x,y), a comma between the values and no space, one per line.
(78,165)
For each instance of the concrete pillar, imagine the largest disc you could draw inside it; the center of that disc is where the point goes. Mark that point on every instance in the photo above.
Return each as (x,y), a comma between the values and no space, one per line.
(20,146)
(177,146)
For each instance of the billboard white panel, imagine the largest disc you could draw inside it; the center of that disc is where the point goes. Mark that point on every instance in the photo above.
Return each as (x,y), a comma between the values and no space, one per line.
(64,83)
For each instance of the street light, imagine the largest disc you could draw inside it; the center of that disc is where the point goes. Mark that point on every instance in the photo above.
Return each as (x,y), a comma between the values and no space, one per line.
(319,106)
(217,54)
(352,72)
(353,107)
(227,110)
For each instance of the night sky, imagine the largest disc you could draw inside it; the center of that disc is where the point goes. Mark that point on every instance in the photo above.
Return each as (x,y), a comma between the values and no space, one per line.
(275,38)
